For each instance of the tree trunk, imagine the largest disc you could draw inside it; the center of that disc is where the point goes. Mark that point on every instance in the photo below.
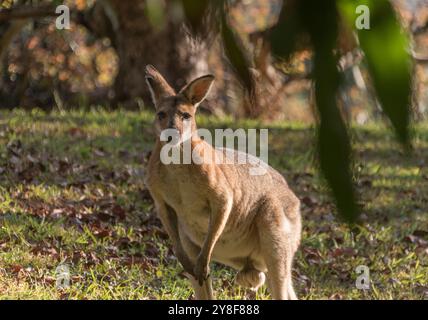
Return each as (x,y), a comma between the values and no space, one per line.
(139,43)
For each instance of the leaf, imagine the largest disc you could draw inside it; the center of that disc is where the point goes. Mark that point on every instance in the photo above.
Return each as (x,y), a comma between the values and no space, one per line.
(49,280)
(119,212)
(420,233)
(309,201)
(285,33)
(418,237)
(333,141)
(385,46)
(195,11)
(16,268)
(76,132)
(348,252)
(102,233)
(312,255)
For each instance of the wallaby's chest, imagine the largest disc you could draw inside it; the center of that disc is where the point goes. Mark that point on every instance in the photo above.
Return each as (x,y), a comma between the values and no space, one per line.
(187,194)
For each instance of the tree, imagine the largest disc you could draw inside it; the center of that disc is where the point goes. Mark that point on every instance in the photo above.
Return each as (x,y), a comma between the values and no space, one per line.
(147,32)
(142,32)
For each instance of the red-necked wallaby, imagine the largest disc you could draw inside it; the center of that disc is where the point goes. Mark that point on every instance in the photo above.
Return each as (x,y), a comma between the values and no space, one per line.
(219,211)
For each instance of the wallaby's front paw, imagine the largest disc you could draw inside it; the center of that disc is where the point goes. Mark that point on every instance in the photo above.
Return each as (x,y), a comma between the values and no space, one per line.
(201,270)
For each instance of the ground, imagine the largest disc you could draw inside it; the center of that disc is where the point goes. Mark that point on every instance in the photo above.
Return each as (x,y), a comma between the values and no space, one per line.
(71,193)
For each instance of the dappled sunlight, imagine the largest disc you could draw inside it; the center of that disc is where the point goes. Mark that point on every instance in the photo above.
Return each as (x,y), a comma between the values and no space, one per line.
(90,208)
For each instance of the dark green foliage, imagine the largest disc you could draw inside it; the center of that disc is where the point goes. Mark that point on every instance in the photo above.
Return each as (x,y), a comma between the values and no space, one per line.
(384,45)
(385,48)
(285,34)
(195,12)
(333,141)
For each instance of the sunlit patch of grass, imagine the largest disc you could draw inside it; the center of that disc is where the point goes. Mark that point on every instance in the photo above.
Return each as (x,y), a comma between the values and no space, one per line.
(75,195)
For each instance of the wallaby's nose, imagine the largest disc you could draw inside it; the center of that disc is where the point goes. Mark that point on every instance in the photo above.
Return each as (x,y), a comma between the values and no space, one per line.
(171,124)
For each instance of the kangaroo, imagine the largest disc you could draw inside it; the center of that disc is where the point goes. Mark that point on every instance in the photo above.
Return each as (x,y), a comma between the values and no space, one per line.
(219,211)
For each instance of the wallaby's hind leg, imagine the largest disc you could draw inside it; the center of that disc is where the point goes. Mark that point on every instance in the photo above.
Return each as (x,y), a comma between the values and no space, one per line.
(291,294)
(276,242)
(204,292)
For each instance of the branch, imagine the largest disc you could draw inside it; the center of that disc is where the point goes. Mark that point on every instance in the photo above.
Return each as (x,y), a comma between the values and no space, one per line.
(27,12)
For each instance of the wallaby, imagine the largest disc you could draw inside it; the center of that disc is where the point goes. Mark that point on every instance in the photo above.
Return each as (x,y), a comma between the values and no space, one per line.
(219,211)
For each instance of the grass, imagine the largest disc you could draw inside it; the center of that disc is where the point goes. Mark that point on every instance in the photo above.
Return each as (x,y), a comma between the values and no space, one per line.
(71,192)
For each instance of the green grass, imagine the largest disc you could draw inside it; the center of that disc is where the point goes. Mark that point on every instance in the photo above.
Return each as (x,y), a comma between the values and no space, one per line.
(71,192)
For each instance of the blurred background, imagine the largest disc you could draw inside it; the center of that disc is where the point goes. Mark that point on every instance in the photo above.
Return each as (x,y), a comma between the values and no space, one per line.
(100,60)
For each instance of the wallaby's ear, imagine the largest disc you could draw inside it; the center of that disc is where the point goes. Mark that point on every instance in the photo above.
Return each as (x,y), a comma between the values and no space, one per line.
(158,86)
(198,89)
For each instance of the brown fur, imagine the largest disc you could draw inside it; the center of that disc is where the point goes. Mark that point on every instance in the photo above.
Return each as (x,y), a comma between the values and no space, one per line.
(220,212)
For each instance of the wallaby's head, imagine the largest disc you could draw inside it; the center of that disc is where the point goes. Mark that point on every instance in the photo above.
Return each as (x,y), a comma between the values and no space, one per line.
(176,110)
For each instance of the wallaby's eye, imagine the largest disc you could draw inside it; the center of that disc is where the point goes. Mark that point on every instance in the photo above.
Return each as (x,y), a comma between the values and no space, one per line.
(161,115)
(186,115)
